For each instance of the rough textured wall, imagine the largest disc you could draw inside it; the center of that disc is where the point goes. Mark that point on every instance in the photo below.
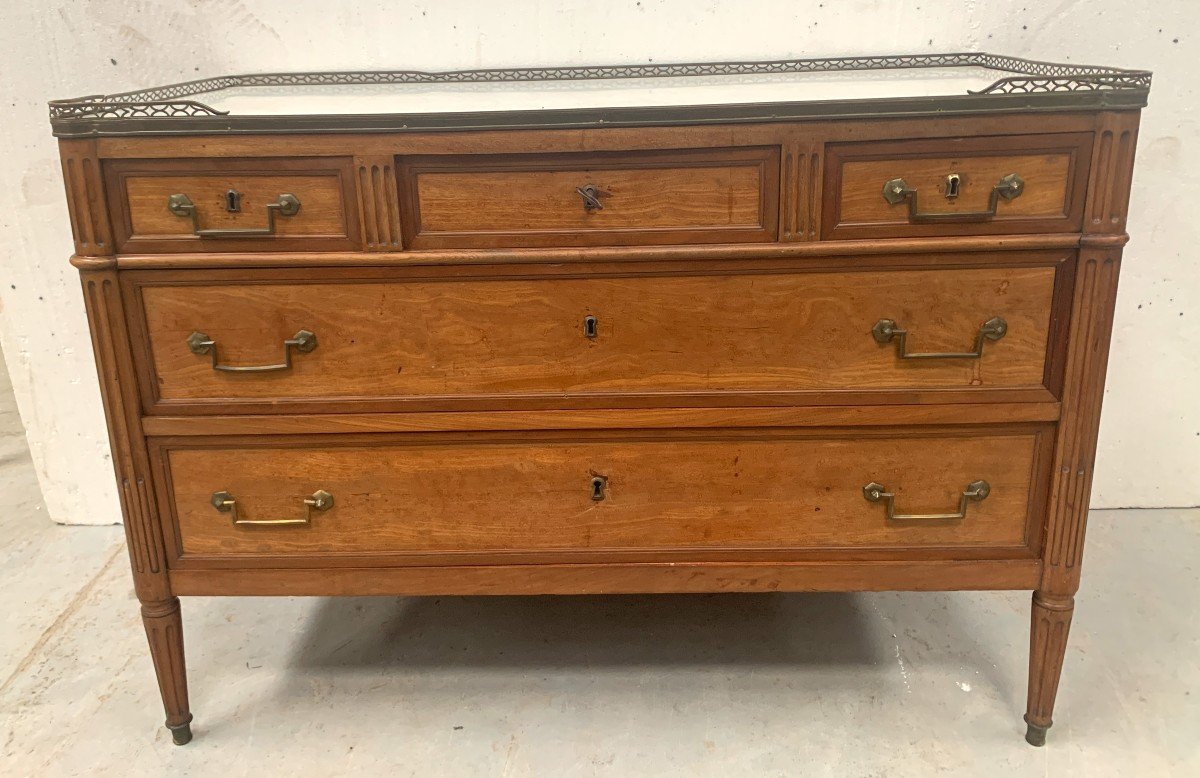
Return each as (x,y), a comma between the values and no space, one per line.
(59,49)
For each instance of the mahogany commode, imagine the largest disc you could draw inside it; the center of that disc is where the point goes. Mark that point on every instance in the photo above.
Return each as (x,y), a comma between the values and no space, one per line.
(746,330)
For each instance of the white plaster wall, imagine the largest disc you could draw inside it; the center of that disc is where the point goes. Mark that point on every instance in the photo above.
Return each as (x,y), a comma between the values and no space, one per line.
(1151,431)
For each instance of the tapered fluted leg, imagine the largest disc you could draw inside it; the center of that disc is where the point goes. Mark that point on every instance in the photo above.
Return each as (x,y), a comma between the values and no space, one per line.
(164,630)
(1047,648)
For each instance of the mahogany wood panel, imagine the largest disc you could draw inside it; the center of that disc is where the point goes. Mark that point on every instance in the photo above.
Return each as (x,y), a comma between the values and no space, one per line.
(663,578)
(327,219)
(783,332)
(622,418)
(1054,168)
(984,249)
(729,492)
(679,196)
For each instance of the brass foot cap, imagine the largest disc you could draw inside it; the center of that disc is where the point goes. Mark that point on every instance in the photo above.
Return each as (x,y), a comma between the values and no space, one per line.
(1035,735)
(181,735)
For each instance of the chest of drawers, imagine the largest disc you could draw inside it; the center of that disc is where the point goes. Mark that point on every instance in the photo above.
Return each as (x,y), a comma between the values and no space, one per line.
(711,343)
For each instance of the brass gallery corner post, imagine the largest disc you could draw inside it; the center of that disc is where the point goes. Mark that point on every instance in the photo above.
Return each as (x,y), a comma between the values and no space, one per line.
(807,344)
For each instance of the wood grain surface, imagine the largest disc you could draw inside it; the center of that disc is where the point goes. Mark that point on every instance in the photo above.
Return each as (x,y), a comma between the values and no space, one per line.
(728,492)
(728,333)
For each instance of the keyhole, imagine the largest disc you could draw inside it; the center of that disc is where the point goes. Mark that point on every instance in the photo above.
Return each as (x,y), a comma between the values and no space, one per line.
(233,201)
(953,184)
(589,326)
(598,484)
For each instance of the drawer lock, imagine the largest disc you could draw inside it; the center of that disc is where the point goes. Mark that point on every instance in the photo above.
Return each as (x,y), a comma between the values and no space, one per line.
(320,500)
(284,205)
(976,491)
(599,485)
(591,197)
(898,191)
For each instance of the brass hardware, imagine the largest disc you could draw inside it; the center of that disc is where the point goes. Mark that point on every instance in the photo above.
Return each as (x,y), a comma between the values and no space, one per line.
(1024,86)
(591,197)
(975,492)
(320,500)
(897,191)
(182,205)
(303,341)
(886,330)
(233,201)
(589,326)
(953,184)
(599,484)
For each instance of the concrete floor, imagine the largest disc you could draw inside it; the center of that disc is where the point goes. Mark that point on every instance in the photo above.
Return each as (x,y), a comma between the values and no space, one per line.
(780,684)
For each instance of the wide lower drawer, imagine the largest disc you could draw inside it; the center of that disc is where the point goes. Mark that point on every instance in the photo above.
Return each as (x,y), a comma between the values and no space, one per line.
(264,344)
(553,497)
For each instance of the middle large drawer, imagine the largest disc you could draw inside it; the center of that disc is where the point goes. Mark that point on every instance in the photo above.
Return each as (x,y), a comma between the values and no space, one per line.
(269,344)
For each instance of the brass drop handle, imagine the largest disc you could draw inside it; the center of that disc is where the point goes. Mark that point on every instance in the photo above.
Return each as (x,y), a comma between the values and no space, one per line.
(886,330)
(285,205)
(591,197)
(976,491)
(1008,188)
(320,500)
(303,341)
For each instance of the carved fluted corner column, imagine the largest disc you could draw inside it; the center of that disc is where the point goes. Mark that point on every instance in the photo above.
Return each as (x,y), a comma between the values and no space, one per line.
(164,631)
(1092,309)
(143,533)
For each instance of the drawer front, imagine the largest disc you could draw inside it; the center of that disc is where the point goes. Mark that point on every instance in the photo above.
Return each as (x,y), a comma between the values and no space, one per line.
(599,199)
(964,186)
(257,346)
(738,492)
(232,205)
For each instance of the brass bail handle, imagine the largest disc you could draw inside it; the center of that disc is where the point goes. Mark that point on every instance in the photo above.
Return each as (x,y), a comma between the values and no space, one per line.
(320,500)
(887,330)
(303,341)
(976,491)
(285,205)
(1007,188)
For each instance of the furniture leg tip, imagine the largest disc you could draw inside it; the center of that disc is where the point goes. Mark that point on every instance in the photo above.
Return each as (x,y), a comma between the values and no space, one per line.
(181,735)
(1035,735)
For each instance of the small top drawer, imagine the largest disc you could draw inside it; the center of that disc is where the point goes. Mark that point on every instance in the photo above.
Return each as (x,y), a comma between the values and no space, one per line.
(720,195)
(956,186)
(298,204)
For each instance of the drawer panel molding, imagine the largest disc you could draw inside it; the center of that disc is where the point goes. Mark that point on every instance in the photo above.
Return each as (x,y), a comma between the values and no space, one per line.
(545,495)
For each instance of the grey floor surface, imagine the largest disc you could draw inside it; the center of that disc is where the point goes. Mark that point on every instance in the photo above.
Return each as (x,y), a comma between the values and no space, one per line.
(781,684)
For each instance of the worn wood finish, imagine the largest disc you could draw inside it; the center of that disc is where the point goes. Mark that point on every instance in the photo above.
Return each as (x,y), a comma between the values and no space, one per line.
(327,219)
(1053,167)
(616,578)
(678,196)
(711,333)
(980,249)
(732,396)
(622,418)
(728,492)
